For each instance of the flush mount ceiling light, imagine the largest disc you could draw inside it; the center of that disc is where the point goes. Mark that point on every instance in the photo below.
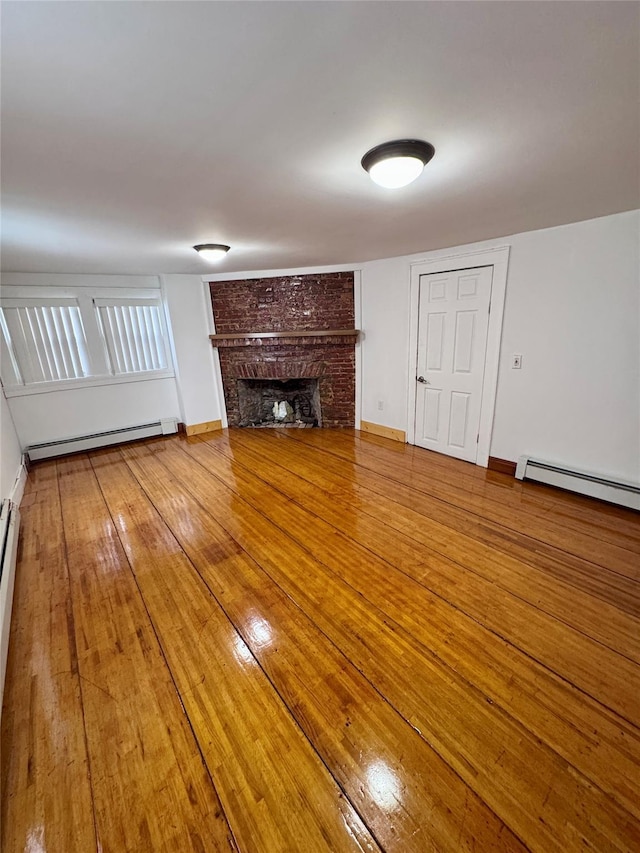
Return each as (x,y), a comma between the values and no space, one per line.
(212,251)
(396,164)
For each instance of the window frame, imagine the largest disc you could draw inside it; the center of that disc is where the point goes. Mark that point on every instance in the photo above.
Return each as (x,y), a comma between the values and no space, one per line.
(150,301)
(88,299)
(21,356)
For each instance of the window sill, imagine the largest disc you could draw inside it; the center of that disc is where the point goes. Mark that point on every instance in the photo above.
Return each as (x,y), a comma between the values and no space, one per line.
(88,382)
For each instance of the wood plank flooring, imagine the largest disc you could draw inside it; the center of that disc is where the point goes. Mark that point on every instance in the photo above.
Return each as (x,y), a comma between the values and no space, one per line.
(315,640)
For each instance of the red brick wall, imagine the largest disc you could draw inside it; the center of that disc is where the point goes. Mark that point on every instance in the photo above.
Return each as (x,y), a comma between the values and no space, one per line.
(334,366)
(297,303)
(293,303)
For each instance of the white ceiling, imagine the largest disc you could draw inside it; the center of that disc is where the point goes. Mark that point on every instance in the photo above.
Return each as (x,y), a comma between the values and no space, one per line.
(133,130)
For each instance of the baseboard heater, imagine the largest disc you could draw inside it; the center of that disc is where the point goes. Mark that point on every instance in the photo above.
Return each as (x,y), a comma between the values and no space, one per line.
(593,485)
(63,446)
(9,524)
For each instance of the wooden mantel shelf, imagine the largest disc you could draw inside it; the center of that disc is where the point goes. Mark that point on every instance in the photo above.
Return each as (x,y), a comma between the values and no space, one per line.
(235,338)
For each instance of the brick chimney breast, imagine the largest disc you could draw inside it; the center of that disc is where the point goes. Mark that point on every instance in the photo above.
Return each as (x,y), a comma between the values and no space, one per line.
(306,306)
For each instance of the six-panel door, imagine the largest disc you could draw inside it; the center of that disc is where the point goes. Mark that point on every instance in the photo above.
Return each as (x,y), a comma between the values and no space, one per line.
(452,340)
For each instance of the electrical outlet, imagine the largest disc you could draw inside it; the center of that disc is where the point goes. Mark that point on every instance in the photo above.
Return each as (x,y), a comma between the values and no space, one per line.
(516,361)
(380,405)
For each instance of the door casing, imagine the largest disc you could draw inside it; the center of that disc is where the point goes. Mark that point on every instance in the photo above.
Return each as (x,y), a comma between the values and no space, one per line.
(498,258)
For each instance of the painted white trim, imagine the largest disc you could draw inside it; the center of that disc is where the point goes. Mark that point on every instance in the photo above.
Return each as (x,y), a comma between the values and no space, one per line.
(498,258)
(88,382)
(215,355)
(62,280)
(357,311)
(37,301)
(68,291)
(172,347)
(17,490)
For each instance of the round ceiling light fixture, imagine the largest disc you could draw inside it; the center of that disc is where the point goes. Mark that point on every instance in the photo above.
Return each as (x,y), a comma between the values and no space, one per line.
(396,164)
(212,251)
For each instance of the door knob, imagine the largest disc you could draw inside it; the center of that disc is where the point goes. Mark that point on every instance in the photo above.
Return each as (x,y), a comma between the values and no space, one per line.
(423,380)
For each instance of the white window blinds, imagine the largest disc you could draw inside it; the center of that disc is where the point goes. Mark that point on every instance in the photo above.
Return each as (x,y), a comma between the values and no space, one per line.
(88,339)
(134,333)
(44,341)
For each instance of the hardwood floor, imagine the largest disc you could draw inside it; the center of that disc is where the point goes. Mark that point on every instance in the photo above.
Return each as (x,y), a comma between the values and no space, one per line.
(314,640)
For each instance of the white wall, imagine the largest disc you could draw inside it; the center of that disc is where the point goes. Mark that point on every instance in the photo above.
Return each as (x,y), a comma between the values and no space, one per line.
(80,411)
(189,316)
(10,451)
(385,341)
(572,310)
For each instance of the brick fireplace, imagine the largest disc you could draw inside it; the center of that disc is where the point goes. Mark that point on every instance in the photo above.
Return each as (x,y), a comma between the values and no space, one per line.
(270,332)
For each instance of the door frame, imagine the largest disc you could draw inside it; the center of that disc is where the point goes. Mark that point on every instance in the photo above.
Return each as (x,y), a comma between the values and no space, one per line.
(498,258)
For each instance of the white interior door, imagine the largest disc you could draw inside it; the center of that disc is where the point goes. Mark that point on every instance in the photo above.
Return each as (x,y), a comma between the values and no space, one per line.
(453,319)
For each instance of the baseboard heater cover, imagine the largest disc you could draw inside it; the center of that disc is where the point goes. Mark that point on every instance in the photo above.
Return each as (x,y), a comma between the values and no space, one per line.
(63,446)
(9,524)
(585,483)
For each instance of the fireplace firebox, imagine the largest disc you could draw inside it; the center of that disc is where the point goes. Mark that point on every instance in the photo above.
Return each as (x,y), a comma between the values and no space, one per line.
(279,403)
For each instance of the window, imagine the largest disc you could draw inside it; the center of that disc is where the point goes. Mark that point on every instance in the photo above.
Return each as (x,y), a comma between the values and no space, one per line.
(134,333)
(54,342)
(45,340)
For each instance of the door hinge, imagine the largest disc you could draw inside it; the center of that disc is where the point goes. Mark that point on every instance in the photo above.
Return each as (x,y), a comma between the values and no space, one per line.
(478,438)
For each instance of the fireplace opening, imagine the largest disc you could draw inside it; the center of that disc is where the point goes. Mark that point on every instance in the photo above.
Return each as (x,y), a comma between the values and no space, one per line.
(279,403)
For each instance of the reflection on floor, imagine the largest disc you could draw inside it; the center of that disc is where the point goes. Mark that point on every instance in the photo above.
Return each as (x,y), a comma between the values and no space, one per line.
(315,640)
